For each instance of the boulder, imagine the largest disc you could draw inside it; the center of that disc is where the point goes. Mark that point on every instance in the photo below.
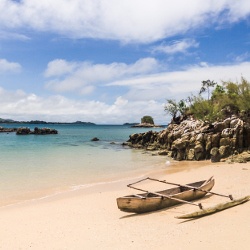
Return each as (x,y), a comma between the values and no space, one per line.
(37,131)
(224,151)
(44,131)
(190,154)
(7,130)
(215,155)
(224,141)
(163,152)
(215,140)
(199,152)
(23,131)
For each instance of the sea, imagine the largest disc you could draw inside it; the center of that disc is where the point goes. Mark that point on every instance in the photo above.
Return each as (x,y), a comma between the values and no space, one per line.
(36,166)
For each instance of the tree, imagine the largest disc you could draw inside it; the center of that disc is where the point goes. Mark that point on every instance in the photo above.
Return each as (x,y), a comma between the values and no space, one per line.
(171,107)
(238,94)
(232,98)
(203,109)
(175,108)
(147,119)
(206,85)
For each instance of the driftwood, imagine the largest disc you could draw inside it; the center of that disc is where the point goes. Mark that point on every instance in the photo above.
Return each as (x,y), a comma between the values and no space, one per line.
(215,209)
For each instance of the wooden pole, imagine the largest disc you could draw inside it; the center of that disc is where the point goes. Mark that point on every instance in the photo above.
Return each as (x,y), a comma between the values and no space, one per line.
(191,187)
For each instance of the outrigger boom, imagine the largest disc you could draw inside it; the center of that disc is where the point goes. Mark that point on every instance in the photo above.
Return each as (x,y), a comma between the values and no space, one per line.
(195,188)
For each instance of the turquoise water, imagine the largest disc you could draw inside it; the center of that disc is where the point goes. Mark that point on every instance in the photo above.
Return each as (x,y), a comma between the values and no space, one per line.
(33,166)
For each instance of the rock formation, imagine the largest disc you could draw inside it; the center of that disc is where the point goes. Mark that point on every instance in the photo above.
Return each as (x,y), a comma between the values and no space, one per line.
(95,139)
(146,125)
(7,130)
(197,140)
(37,131)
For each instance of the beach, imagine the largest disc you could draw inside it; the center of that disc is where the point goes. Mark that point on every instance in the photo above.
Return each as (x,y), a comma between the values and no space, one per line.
(89,218)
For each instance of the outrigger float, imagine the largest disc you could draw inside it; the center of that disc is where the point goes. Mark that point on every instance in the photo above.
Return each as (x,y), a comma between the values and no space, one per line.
(152,201)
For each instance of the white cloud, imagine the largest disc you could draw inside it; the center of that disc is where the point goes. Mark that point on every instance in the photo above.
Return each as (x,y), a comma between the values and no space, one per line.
(242,57)
(182,83)
(28,106)
(82,76)
(13,36)
(181,46)
(6,66)
(145,95)
(124,20)
(59,67)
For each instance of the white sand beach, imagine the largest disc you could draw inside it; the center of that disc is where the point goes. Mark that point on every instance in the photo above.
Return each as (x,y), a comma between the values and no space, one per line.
(90,219)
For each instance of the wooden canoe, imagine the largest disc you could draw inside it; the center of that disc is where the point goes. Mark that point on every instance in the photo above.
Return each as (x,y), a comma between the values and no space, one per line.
(148,202)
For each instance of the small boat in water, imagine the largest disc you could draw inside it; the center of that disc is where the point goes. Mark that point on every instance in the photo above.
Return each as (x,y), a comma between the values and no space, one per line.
(152,201)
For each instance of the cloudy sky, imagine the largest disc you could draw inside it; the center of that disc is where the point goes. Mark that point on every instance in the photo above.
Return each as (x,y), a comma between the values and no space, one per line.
(114,61)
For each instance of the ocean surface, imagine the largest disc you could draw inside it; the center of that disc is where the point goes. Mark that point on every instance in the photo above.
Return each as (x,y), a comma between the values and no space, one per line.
(35,166)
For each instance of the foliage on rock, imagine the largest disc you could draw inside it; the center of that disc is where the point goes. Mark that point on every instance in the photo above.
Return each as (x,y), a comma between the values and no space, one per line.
(147,119)
(230,98)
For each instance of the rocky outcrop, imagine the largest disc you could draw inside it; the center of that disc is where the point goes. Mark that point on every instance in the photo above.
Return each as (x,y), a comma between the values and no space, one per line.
(197,140)
(95,139)
(7,130)
(36,131)
(146,125)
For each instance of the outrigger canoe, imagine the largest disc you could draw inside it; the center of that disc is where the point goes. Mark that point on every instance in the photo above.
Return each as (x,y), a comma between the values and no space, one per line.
(152,201)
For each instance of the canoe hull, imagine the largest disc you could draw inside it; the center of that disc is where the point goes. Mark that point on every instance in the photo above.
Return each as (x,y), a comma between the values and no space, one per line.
(133,204)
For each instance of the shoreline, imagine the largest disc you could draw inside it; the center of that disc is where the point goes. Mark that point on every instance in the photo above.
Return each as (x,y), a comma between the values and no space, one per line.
(161,167)
(89,218)
(61,188)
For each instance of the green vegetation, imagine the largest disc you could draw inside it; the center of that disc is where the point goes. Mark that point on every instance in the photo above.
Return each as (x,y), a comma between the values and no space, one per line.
(175,108)
(147,119)
(221,101)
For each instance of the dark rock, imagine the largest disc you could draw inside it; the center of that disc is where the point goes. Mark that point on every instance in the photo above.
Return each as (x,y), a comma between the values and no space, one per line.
(7,130)
(37,131)
(163,152)
(95,139)
(224,141)
(215,155)
(23,131)
(225,151)
(44,131)
(199,152)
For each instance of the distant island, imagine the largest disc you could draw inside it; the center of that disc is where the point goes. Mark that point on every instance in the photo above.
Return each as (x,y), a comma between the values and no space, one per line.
(147,125)
(43,122)
(130,123)
(146,122)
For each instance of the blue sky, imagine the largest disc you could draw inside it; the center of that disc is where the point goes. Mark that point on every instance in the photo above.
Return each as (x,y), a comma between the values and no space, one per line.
(114,61)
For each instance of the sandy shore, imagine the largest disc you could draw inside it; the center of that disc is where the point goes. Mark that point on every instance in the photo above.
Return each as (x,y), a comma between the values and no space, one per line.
(89,219)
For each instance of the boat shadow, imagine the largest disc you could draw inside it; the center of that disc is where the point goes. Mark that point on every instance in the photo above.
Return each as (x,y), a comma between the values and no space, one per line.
(164,209)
